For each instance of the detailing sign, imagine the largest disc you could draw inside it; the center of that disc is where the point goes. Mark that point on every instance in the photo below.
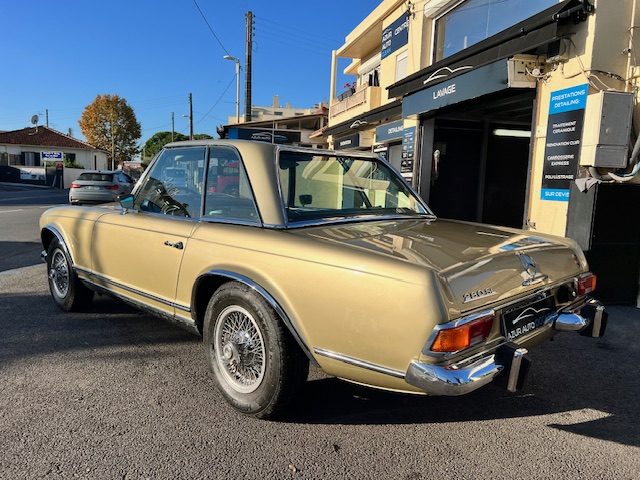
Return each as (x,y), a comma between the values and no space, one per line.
(564,138)
(395,36)
(265,135)
(389,131)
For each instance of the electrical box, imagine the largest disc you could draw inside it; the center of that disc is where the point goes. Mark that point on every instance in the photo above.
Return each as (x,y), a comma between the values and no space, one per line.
(607,130)
(523,70)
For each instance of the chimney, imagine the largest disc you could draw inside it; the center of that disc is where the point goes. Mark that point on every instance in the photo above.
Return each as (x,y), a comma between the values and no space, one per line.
(276,101)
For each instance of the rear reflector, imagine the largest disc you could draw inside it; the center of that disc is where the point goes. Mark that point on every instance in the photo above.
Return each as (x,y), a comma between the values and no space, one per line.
(465,335)
(586,283)
(111,187)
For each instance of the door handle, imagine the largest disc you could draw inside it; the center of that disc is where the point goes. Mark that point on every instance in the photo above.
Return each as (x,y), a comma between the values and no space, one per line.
(178,245)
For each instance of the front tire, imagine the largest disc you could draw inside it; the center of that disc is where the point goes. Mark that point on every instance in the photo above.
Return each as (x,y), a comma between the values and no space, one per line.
(69,293)
(256,364)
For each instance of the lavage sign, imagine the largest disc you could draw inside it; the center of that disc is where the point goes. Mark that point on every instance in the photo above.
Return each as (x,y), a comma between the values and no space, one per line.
(395,36)
(442,92)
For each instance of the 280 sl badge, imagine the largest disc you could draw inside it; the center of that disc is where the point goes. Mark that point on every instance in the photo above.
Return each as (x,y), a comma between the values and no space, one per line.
(478,294)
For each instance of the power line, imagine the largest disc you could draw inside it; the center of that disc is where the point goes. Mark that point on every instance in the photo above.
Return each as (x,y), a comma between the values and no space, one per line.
(219,99)
(210,28)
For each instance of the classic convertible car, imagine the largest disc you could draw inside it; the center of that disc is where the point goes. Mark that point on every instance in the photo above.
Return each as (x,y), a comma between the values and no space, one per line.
(325,257)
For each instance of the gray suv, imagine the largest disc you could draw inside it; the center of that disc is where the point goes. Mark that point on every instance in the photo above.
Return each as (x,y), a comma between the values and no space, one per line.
(95,186)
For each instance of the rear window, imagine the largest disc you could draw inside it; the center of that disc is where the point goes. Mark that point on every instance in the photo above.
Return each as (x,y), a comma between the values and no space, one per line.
(96,177)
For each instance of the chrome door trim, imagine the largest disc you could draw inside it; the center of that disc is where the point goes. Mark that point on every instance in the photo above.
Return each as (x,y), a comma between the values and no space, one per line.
(356,362)
(102,278)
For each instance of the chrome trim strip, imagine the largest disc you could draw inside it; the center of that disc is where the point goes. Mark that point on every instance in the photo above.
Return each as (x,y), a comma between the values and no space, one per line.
(356,362)
(269,298)
(60,238)
(186,323)
(133,290)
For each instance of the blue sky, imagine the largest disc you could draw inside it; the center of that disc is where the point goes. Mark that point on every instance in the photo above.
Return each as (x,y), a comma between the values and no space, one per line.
(59,54)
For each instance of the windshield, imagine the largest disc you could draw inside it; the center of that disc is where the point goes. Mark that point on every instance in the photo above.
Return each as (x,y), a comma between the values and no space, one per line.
(316,187)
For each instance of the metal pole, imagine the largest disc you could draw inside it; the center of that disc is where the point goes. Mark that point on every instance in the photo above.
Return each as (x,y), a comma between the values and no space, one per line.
(46,114)
(190,116)
(113,143)
(173,125)
(237,91)
(249,47)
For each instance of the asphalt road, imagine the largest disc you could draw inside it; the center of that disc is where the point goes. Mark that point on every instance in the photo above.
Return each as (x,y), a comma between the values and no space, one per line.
(20,210)
(116,394)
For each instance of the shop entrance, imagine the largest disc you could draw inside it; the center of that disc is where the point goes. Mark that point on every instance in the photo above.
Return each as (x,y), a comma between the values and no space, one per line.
(481,159)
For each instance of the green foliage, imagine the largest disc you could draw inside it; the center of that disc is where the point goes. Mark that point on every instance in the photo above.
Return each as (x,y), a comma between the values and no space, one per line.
(160,139)
(71,164)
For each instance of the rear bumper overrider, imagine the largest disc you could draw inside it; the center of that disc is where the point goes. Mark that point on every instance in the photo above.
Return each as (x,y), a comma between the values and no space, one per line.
(508,363)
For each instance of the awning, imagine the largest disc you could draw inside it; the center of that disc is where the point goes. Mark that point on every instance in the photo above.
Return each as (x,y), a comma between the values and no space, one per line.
(359,122)
(541,29)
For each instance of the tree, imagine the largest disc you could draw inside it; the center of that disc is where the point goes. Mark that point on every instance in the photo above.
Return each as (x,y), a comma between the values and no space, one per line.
(110,123)
(160,139)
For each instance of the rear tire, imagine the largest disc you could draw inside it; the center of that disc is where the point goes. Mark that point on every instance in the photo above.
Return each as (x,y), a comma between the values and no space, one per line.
(69,293)
(256,364)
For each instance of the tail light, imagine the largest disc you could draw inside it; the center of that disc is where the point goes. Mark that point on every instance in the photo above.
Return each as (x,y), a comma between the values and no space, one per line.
(111,187)
(586,283)
(75,185)
(469,331)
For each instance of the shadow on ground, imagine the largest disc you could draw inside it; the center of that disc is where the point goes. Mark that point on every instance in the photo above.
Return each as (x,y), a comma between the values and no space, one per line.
(570,374)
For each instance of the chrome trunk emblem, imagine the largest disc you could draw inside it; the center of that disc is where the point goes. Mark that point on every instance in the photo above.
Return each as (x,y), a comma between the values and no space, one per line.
(530,270)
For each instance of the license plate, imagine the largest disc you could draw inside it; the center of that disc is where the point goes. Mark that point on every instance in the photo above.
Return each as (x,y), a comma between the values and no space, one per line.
(91,187)
(525,317)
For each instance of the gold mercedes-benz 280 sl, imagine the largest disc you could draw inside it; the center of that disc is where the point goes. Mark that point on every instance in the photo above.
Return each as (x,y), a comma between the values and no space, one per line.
(281,256)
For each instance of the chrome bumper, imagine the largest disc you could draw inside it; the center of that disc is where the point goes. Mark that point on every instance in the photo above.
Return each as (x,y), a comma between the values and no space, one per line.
(43,256)
(508,361)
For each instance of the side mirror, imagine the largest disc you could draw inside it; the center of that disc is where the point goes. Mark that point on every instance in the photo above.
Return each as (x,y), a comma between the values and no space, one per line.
(126,201)
(306,199)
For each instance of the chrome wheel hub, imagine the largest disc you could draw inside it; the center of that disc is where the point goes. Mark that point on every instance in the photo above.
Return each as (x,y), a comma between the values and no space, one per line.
(239,349)
(59,274)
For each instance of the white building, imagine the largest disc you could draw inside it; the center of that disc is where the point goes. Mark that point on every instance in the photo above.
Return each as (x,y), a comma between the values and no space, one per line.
(27,154)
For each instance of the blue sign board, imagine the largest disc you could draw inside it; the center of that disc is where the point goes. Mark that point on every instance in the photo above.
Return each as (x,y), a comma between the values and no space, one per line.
(389,131)
(481,81)
(563,142)
(395,36)
(52,156)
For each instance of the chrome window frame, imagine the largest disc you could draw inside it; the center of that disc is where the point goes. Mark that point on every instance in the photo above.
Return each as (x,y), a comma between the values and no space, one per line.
(338,220)
(201,218)
(257,223)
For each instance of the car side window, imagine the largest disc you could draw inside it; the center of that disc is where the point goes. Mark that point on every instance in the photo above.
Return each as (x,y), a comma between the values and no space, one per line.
(228,192)
(174,183)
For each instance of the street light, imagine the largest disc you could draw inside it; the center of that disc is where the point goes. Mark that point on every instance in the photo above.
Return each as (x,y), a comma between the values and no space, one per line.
(234,59)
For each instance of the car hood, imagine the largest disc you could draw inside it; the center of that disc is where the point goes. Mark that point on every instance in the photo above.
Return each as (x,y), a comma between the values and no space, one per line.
(478,264)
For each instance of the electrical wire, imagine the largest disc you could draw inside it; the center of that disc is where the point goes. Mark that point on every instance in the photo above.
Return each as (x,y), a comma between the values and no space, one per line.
(211,28)
(219,99)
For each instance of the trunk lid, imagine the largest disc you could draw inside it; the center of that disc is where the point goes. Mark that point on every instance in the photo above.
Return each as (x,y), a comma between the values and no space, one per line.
(477,264)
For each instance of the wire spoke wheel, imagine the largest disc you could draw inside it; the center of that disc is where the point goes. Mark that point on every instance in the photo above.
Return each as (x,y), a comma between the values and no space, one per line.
(59,273)
(239,349)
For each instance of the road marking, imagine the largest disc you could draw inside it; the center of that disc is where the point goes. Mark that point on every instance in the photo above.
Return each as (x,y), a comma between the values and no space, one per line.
(33,197)
(9,211)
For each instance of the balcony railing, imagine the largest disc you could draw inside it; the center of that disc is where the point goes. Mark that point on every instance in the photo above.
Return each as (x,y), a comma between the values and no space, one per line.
(363,96)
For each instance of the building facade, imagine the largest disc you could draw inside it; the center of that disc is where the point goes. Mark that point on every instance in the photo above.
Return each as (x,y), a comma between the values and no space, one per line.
(519,113)
(33,154)
(285,125)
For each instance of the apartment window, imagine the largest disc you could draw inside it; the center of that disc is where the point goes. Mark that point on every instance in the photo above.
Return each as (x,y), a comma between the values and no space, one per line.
(401,66)
(471,21)
(278,113)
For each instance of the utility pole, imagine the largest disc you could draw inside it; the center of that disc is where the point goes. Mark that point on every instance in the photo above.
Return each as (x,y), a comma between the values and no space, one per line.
(173,125)
(46,116)
(190,116)
(249,47)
